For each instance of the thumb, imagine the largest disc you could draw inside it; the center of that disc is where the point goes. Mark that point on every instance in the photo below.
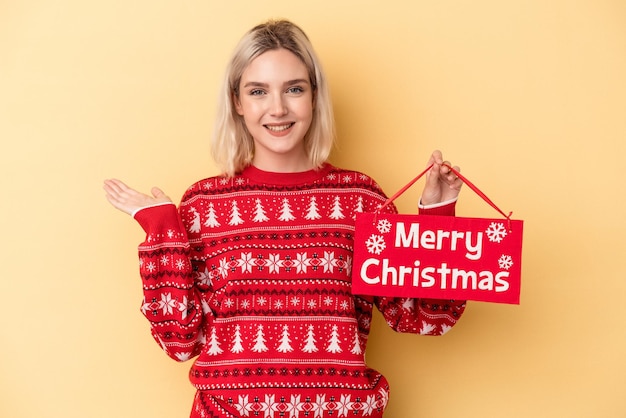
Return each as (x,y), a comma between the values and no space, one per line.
(157,193)
(432,177)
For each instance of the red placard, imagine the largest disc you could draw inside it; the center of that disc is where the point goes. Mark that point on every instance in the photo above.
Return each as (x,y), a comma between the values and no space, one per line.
(442,257)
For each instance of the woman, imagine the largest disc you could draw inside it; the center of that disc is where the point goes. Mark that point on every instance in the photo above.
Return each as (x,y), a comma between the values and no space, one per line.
(251,273)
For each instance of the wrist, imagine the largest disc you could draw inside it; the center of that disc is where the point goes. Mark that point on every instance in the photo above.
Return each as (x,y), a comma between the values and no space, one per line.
(423,205)
(136,211)
(446,208)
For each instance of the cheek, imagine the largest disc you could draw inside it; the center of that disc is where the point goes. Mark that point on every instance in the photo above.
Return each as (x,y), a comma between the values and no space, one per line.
(305,110)
(249,109)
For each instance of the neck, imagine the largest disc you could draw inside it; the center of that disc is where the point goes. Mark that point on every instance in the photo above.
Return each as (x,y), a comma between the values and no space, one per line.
(280,165)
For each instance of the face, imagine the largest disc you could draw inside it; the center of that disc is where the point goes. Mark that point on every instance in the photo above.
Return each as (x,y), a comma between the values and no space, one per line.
(276,102)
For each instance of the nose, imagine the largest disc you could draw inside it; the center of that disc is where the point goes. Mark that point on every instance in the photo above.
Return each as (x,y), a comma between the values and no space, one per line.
(278,105)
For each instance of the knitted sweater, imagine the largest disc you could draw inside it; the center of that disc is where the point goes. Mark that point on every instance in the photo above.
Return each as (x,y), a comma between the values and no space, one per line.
(252,275)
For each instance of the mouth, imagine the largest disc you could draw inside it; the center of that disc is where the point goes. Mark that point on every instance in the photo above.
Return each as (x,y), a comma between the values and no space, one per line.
(279,128)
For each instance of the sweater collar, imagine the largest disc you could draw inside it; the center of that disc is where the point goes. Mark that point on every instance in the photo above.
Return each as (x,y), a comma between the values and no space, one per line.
(258,176)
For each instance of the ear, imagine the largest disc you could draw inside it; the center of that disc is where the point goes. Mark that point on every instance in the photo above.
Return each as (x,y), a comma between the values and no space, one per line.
(237,103)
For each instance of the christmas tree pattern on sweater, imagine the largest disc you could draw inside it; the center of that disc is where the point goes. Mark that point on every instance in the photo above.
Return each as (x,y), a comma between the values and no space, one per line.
(253,278)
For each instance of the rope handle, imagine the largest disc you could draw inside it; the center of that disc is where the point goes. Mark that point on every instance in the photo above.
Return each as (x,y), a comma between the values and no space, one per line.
(459,175)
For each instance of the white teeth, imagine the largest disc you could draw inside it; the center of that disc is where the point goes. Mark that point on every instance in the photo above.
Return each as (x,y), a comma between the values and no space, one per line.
(278,128)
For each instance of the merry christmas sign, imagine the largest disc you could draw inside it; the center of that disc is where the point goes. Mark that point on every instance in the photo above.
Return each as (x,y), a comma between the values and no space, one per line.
(441,257)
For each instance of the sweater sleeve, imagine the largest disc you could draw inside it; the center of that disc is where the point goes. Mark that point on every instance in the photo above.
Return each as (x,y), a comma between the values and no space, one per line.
(420,315)
(172,302)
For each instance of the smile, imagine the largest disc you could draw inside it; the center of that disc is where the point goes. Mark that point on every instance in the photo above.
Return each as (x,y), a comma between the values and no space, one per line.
(279,128)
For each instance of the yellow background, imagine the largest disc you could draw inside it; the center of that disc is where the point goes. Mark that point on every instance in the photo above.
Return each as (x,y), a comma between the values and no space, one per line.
(528,96)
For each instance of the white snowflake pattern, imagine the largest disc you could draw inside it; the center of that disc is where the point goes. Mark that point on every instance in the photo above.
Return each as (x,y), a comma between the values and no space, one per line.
(204,277)
(369,405)
(261,301)
(240,181)
(183,356)
(274,263)
(167,303)
(312,304)
(246,262)
(344,305)
(427,328)
(151,266)
(295,301)
(496,232)
(223,268)
(229,303)
(344,406)
(244,406)
(383,226)
(301,262)
(328,301)
(505,262)
(328,261)
(245,304)
(375,244)
(269,405)
(180,264)
(164,260)
(278,304)
(445,328)
(347,178)
(409,304)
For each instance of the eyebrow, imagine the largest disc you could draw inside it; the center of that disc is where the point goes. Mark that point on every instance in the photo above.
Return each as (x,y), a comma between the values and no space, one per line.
(286,83)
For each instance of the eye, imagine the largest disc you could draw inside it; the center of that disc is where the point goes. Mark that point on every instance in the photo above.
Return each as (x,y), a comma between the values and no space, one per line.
(295,90)
(256,92)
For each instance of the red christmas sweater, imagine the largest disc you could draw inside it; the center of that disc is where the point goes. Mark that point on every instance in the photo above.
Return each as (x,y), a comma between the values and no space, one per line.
(252,274)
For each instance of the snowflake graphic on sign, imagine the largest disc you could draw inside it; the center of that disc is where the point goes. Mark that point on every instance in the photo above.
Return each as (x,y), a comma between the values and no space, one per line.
(496,232)
(505,262)
(375,244)
(383,226)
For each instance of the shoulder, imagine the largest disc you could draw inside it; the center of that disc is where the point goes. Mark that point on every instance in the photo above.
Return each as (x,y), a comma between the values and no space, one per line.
(214,185)
(351,178)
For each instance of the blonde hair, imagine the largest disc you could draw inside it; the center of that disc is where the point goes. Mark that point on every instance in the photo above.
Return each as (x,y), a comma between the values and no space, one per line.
(233,146)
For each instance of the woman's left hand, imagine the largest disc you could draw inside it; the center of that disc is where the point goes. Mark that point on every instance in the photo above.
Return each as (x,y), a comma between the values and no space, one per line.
(441,183)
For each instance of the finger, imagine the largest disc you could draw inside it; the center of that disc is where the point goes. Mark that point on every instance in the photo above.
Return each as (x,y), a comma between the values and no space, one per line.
(446,174)
(433,176)
(457,182)
(116,201)
(112,189)
(118,189)
(118,193)
(116,184)
(435,158)
(157,193)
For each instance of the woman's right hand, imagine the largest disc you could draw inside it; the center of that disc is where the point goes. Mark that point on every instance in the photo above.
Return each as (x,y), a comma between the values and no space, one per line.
(129,200)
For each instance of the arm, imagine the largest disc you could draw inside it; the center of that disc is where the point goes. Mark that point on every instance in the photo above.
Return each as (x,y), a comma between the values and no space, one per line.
(172,302)
(428,316)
